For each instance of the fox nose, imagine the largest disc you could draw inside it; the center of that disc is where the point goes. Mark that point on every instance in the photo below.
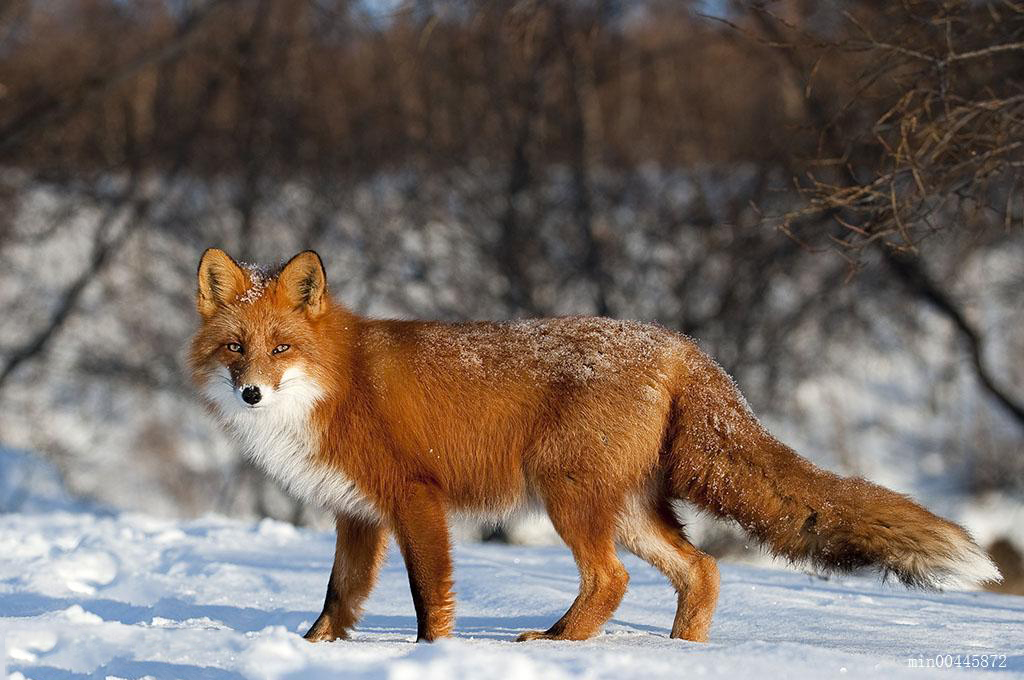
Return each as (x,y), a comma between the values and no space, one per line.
(251,394)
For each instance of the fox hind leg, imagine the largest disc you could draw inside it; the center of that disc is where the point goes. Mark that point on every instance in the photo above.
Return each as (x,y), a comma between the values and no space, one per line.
(589,533)
(651,531)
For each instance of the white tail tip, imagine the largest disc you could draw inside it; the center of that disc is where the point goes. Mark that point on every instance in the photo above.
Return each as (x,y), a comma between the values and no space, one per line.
(966,567)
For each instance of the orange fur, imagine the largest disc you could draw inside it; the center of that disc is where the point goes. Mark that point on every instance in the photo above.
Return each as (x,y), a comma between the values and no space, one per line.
(395,424)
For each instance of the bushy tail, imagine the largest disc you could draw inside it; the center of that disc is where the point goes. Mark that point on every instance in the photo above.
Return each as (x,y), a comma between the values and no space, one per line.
(722,460)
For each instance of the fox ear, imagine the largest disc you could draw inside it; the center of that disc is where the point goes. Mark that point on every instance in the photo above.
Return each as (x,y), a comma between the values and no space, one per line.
(304,282)
(221,280)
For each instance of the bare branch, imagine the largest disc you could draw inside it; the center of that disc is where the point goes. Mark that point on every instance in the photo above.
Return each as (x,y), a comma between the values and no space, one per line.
(56,108)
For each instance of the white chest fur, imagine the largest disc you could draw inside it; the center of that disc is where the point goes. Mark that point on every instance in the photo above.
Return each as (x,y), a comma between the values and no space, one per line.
(278,436)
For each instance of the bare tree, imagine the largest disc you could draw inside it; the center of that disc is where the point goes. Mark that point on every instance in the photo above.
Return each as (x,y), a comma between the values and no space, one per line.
(940,145)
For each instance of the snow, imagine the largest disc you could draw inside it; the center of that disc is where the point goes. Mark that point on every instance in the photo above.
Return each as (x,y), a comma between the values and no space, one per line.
(26,482)
(129,595)
(260,277)
(575,348)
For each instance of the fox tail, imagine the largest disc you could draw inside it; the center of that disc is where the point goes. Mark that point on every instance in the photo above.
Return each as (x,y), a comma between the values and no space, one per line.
(722,460)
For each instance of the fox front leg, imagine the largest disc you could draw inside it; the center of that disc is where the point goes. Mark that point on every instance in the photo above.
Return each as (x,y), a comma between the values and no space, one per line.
(421,530)
(358,554)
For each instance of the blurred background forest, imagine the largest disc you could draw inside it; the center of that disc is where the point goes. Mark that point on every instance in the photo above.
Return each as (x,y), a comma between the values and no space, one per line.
(827,195)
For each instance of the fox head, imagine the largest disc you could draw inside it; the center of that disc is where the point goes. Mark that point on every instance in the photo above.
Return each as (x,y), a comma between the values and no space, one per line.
(257,353)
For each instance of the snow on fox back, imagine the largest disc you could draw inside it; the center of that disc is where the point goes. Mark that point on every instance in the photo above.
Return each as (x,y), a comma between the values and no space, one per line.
(574,349)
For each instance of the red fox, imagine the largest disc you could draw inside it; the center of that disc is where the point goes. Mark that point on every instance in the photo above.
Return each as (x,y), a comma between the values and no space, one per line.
(391,425)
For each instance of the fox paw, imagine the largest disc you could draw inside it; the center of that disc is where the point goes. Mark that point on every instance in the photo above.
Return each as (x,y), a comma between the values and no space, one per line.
(534,635)
(324,631)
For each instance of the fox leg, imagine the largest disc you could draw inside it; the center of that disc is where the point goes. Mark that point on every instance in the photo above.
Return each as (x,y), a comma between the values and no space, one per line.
(653,534)
(421,529)
(358,554)
(603,579)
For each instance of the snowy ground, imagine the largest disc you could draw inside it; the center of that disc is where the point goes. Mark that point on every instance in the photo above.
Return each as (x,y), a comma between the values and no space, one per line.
(93,595)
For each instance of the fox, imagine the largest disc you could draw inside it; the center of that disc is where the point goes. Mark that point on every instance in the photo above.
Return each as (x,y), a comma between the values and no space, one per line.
(393,425)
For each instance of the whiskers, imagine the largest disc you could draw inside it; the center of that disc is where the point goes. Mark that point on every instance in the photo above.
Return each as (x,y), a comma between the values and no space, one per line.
(296,385)
(285,406)
(294,381)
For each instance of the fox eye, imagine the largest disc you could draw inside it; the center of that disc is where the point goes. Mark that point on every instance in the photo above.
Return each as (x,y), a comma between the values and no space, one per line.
(280,348)
(235,347)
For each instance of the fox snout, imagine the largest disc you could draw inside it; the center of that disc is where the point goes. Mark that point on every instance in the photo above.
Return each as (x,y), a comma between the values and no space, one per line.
(251,394)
